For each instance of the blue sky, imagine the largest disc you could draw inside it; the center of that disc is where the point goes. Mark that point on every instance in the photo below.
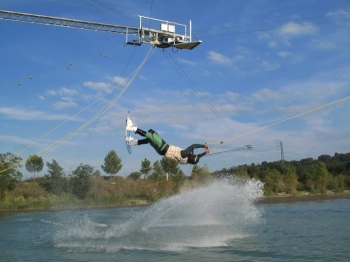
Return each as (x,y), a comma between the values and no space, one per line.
(260,62)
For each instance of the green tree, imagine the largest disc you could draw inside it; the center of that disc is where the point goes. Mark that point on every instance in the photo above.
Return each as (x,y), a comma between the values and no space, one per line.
(134,175)
(241,171)
(253,171)
(325,158)
(81,180)
(178,180)
(290,179)
(170,166)
(315,176)
(145,167)
(112,163)
(338,183)
(9,176)
(201,174)
(56,175)
(273,179)
(34,164)
(158,172)
(195,173)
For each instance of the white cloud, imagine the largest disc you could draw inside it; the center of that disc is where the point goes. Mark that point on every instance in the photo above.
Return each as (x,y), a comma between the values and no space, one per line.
(187,92)
(338,16)
(249,62)
(232,96)
(142,77)
(100,129)
(284,54)
(206,73)
(28,115)
(269,66)
(266,94)
(64,104)
(327,45)
(292,29)
(287,32)
(100,86)
(16,140)
(66,91)
(218,58)
(67,98)
(41,97)
(51,93)
(62,91)
(119,80)
(294,59)
(203,94)
(185,61)
(321,88)
(238,58)
(272,44)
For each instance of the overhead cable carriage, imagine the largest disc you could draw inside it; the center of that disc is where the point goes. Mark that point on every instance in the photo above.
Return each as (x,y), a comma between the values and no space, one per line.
(168,34)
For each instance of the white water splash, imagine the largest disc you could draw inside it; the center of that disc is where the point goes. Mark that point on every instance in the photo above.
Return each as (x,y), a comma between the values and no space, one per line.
(205,217)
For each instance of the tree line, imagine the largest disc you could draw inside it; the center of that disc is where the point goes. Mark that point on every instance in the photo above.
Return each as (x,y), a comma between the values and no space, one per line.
(163,178)
(308,174)
(150,183)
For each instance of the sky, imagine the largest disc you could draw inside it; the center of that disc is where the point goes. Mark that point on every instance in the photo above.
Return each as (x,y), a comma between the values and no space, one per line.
(262,68)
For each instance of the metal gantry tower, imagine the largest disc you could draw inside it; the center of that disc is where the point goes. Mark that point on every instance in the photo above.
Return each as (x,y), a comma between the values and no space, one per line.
(282,154)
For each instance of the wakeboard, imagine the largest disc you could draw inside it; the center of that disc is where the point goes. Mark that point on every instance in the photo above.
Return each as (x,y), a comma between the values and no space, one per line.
(128,135)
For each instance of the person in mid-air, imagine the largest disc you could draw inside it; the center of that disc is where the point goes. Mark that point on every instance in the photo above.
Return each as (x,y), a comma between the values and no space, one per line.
(172,152)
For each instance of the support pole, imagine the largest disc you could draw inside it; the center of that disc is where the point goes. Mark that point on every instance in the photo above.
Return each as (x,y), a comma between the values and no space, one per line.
(190,30)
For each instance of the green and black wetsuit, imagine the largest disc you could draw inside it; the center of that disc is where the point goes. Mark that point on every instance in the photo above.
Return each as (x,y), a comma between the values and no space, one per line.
(154,139)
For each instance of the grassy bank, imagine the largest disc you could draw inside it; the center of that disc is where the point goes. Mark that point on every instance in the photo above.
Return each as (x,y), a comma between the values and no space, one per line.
(19,201)
(102,193)
(304,196)
(64,203)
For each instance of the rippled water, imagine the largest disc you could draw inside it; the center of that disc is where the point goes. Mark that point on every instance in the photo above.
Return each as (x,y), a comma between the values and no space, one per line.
(217,223)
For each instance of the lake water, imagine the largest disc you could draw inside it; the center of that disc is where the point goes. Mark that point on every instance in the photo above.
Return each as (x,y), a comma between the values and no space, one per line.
(220,222)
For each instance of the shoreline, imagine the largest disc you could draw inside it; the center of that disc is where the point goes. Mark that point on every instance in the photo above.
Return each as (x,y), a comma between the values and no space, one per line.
(303,198)
(261,201)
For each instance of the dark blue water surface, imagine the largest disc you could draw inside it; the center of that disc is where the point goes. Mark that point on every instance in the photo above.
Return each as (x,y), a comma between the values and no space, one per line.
(218,223)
